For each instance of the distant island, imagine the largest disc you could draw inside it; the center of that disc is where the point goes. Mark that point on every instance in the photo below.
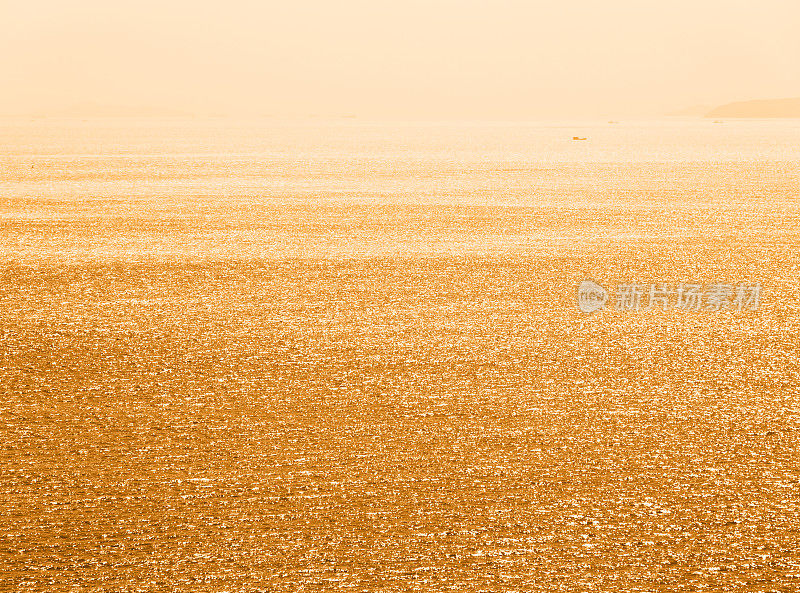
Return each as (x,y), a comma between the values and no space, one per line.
(760,108)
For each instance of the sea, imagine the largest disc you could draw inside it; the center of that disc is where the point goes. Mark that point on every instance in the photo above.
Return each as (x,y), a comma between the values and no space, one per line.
(319,355)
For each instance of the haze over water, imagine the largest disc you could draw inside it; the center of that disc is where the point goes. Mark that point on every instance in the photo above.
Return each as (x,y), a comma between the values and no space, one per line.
(347,355)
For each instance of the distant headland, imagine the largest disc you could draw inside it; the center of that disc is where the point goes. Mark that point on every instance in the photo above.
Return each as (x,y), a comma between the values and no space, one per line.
(760,108)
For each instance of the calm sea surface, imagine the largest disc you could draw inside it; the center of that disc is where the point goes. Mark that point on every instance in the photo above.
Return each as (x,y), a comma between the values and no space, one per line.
(264,356)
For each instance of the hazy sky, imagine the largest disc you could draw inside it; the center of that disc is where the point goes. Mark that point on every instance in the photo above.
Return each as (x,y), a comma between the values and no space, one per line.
(406,58)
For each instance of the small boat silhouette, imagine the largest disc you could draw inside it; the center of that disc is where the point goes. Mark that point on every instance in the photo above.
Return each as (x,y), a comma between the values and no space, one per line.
(578,138)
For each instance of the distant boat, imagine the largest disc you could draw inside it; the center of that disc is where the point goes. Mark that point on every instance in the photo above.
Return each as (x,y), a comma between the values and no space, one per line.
(578,138)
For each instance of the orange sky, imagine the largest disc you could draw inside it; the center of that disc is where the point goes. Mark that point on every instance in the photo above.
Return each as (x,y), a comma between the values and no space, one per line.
(500,59)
